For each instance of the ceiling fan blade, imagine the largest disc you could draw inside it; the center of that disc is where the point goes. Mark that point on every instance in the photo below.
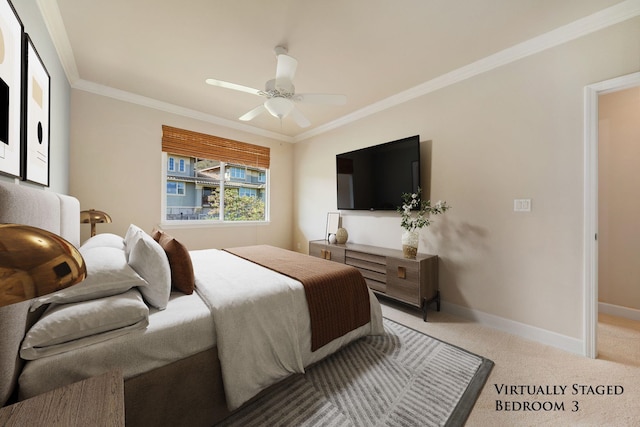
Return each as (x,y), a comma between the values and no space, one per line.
(252,114)
(299,118)
(320,98)
(227,85)
(285,70)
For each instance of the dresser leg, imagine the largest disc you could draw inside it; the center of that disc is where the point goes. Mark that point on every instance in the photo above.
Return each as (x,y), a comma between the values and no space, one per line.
(426,302)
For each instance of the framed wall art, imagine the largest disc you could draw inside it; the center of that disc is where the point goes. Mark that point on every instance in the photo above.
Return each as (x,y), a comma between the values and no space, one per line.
(37,86)
(11,46)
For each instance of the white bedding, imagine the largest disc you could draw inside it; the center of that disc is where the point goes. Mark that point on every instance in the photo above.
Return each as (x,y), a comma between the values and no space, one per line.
(262,323)
(183,329)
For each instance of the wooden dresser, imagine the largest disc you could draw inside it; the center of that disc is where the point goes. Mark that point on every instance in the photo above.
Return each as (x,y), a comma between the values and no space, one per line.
(387,272)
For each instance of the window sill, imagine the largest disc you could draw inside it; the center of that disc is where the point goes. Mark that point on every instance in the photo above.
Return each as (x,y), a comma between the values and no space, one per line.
(179,224)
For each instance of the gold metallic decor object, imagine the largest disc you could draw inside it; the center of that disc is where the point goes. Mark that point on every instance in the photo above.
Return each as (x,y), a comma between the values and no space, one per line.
(35,262)
(94,217)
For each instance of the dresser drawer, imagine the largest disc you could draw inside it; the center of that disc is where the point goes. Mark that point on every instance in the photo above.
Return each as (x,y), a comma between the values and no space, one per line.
(403,280)
(366,265)
(366,262)
(373,275)
(328,252)
(368,258)
(376,286)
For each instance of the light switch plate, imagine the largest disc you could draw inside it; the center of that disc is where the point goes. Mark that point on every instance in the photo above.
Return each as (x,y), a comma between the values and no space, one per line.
(522,205)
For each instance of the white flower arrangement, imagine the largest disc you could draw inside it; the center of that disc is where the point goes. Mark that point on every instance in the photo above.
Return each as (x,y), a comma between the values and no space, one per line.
(415,212)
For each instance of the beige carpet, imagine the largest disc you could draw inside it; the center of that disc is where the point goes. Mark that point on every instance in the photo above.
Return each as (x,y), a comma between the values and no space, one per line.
(522,362)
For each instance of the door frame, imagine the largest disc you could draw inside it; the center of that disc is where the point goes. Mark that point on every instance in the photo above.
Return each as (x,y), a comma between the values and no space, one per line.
(590,294)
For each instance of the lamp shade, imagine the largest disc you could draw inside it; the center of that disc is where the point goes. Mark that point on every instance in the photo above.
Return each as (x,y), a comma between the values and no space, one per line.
(35,262)
(93,217)
(279,107)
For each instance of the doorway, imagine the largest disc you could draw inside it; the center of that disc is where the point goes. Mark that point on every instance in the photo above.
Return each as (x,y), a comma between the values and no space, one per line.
(592,92)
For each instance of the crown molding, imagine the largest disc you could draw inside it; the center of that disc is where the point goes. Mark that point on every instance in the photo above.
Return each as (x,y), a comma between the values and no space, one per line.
(144,101)
(55,25)
(605,18)
(597,21)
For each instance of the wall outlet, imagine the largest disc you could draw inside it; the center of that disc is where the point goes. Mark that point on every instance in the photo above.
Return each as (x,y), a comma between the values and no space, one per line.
(522,205)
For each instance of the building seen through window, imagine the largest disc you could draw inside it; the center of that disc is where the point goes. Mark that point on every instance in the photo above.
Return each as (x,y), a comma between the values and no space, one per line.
(205,189)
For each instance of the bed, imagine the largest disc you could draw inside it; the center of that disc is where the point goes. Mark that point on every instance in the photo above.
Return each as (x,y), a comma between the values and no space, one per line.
(255,316)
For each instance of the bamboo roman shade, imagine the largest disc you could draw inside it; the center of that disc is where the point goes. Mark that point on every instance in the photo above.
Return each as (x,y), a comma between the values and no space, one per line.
(193,144)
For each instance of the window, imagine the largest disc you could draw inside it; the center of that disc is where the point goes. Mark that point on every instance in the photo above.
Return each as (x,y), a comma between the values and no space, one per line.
(172,164)
(248,192)
(237,173)
(214,188)
(175,188)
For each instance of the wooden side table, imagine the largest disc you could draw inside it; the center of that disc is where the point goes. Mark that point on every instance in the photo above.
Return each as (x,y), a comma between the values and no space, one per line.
(97,401)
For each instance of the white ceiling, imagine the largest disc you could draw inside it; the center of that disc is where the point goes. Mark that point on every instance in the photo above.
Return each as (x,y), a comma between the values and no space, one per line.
(377,52)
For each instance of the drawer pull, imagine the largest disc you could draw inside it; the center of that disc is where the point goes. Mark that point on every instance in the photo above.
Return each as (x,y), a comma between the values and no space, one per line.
(402,272)
(325,254)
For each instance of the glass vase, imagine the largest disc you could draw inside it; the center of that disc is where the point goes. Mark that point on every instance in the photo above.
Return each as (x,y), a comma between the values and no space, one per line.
(410,241)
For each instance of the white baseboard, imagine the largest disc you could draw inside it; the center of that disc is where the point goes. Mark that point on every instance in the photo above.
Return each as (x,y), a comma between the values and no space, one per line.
(619,311)
(563,342)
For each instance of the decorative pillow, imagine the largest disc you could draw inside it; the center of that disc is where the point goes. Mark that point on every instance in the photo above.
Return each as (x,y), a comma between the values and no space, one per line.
(130,237)
(149,260)
(103,240)
(182,276)
(107,274)
(65,327)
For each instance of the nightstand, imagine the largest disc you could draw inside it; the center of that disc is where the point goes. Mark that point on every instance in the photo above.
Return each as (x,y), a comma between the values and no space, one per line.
(97,401)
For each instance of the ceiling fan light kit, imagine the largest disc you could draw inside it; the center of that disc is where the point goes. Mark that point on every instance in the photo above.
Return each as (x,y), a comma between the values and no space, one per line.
(280,93)
(279,107)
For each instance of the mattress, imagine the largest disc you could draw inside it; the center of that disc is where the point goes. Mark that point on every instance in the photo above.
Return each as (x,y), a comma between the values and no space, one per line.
(183,329)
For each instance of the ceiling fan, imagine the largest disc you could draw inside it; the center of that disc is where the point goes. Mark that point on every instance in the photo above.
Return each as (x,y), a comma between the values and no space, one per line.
(281,94)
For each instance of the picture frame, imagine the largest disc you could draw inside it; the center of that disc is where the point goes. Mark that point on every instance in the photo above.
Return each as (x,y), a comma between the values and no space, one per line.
(37,117)
(333,222)
(11,81)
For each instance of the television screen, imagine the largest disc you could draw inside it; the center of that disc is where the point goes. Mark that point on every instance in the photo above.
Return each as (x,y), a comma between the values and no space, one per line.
(374,178)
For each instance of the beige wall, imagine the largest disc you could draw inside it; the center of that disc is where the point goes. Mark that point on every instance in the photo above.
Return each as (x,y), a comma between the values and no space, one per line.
(514,132)
(619,198)
(116,167)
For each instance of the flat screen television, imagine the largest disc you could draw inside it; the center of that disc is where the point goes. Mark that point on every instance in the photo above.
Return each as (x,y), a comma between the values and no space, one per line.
(374,178)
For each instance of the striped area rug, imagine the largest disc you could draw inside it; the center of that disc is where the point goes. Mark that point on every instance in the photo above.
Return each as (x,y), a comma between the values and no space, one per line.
(404,378)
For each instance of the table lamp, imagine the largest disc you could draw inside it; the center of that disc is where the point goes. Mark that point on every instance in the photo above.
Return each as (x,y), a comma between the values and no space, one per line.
(35,262)
(94,217)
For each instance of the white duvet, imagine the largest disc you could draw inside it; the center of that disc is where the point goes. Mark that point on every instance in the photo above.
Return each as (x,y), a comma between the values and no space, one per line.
(262,323)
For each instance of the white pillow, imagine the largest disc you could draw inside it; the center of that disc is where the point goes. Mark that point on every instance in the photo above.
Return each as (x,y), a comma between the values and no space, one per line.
(131,237)
(107,274)
(103,240)
(65,327)
(149,260)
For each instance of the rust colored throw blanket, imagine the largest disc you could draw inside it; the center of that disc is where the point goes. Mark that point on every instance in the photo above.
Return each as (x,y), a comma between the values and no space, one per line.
(337,294)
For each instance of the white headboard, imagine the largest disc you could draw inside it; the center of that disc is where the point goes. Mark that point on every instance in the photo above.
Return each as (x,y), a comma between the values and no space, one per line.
(53,212)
